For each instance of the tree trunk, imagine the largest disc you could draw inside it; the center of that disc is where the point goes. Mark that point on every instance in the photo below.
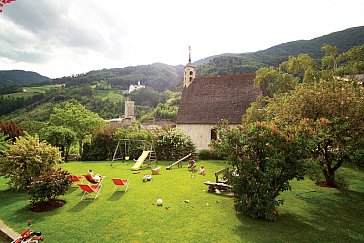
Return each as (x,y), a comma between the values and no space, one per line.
(80,143)
(329,174)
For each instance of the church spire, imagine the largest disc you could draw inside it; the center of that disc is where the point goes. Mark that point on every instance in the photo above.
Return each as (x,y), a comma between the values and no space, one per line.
(189,54)
(190,71)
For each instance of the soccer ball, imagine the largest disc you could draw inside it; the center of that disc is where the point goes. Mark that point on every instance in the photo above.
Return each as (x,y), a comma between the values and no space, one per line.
(159,202)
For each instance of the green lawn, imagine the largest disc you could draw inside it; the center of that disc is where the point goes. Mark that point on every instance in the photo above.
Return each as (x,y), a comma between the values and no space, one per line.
(310,213)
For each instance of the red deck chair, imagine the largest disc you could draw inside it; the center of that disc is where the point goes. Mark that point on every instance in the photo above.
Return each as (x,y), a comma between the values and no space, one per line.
(88,189)
(75,178)
(90,179)
(120,183)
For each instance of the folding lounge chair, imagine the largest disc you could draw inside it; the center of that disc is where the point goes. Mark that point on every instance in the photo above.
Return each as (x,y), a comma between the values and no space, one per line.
(90,179)
(88,189)
(120,183)
(75,178)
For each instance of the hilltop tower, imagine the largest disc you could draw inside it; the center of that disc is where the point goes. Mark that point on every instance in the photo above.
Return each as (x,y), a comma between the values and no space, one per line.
(190,71)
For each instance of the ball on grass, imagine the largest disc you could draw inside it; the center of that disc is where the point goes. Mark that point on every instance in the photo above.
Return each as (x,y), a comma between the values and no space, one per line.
(159,202)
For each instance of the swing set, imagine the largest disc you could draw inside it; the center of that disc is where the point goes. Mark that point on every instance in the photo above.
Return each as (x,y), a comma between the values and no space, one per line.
(123,152)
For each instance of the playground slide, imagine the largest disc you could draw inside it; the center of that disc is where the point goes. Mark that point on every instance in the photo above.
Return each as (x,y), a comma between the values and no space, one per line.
(140,160)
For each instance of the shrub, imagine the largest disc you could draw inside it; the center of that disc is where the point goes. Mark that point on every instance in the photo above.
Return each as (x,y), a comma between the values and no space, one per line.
(102,144)
(26,159)
(263,159)
(207,154)
(49,185)
(173,144)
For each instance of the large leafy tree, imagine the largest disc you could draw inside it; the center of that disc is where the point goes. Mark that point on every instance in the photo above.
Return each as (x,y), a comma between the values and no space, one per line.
(76,117)
(61,137)
(336,108)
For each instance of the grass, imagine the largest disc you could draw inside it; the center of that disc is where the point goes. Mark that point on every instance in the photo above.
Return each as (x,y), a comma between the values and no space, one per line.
(32,90)
(310,213)
(109,94)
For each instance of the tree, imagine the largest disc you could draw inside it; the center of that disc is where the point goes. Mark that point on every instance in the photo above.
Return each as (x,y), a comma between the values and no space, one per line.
(272,81)
(61,137)
(103,144)
(10,129)
(26,159)
(76,117)
(262,160)
(336,109)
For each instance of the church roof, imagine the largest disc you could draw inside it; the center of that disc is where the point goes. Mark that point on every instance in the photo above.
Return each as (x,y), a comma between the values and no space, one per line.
(208,100)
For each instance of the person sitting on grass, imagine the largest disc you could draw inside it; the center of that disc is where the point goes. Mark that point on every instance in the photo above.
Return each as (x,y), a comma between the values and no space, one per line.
(191,165)
(202,170)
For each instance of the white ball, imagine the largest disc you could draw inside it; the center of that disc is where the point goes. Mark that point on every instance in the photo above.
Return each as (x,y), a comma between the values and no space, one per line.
(159,202)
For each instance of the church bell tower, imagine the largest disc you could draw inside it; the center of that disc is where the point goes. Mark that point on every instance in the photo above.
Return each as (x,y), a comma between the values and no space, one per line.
(189,72)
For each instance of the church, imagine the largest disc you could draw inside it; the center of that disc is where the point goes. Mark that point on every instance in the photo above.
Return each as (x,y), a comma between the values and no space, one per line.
(208,100)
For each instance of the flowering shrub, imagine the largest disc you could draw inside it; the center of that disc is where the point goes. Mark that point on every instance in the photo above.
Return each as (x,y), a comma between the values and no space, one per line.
(49,185)
(263,159)
(173,144)
(26,159)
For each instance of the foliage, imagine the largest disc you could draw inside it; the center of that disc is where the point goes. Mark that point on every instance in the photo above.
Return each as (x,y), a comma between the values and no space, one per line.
(4,143)
(173,144)
(336,108)
(209,154)
(10,129)
(10,89)
(20,77)
(26,159)
(157,76)
(147,97)
(58,136)
(49,185)
(33,127)
(102,146)
(76,117)
(263,159)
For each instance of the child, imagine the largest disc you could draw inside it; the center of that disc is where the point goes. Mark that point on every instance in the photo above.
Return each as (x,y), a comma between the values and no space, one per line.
(202,170)
(191,165)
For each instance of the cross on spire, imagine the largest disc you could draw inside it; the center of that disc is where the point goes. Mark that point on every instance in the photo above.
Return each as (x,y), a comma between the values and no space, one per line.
(189,54)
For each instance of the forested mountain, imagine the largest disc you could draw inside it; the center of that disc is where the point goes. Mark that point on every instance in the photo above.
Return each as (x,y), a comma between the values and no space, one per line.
(20,77)
(157,76)
(250,62)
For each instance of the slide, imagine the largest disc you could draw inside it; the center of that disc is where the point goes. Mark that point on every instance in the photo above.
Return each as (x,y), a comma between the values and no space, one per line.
(140,160)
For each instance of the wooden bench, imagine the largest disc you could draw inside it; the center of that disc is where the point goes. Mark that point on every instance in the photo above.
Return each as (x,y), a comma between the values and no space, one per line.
(213,186)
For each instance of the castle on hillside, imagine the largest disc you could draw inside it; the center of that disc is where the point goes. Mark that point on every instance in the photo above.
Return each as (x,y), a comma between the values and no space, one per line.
(208,100)
(135,87)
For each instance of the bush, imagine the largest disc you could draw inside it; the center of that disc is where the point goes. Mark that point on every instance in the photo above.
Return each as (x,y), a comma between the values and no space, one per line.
(49,185)
(263,159)
(173,144)
(26,159)
(102,144)
(207,154)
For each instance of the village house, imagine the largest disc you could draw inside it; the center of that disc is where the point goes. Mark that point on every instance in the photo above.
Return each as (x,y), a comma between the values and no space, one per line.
(208,100)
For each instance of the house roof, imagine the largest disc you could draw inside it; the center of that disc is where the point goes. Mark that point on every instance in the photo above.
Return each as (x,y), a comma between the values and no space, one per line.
(208,100)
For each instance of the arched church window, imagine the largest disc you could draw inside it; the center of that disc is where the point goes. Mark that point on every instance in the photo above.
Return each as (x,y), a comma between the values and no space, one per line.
(213,134)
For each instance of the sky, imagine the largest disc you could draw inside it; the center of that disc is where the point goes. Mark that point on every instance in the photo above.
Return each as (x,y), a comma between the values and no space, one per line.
(59,38)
